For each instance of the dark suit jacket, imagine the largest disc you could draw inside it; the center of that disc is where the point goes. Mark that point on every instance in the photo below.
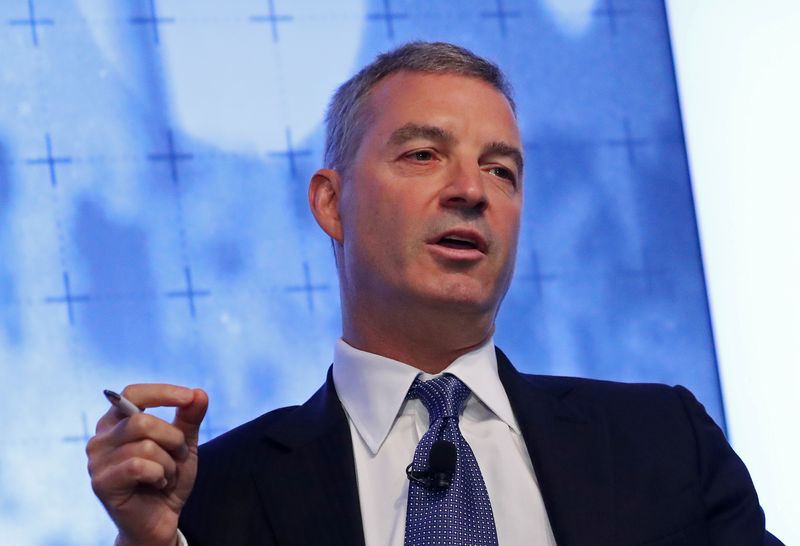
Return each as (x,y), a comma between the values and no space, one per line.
(617,465)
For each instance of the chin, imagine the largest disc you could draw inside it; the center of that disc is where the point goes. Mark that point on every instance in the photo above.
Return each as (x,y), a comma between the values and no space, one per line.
(463,296)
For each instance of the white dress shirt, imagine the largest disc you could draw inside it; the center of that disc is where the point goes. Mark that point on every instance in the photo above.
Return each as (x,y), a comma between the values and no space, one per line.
(386,428)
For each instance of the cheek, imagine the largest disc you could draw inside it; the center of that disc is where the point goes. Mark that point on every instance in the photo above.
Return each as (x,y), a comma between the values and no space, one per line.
(510,234)
(514,236)
(375,232)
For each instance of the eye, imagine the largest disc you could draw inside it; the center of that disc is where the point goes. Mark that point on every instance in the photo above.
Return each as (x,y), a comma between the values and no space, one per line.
(503,172)
(421,155)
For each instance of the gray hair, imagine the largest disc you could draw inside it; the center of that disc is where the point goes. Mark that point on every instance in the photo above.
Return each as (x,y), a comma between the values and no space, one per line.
(346,119)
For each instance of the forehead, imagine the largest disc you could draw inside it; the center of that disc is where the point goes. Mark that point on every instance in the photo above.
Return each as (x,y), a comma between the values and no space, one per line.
(453,101)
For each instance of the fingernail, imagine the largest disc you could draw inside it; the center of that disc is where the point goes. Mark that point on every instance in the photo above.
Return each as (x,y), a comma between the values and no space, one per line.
(163,483)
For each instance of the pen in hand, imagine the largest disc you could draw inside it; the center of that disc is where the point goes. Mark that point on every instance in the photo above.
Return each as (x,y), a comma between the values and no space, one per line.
(121,403)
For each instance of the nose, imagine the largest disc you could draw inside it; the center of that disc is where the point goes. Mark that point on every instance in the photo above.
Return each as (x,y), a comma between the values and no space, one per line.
(465,190)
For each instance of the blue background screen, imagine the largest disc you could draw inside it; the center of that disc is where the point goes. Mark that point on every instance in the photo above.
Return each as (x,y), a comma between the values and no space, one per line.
(154,160)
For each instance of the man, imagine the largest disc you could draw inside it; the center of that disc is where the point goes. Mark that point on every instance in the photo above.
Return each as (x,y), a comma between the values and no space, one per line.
(422,197)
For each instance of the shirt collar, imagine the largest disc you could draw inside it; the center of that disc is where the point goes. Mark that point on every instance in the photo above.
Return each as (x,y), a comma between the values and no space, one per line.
(372,388)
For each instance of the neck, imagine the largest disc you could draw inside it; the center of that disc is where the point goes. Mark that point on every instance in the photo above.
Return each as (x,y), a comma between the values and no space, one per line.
(428,339)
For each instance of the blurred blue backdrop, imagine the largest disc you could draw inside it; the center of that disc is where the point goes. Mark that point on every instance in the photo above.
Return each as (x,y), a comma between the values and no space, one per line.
(154,156)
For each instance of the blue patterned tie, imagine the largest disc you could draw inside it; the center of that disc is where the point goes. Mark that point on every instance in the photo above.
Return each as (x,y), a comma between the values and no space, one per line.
(460,514)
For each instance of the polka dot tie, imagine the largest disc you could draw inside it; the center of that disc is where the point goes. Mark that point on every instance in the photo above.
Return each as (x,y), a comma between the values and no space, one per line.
(460,514)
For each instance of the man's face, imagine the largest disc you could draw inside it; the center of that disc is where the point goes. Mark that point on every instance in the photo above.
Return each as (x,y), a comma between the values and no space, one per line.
(431,205)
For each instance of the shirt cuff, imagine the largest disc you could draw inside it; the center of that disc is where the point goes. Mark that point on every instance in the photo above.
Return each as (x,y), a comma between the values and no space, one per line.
(182,539)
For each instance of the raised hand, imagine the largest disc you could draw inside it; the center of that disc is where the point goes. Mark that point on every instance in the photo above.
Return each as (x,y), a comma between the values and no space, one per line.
(142,467)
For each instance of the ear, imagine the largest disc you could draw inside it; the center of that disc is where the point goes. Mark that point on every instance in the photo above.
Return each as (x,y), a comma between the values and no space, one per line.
(324,193)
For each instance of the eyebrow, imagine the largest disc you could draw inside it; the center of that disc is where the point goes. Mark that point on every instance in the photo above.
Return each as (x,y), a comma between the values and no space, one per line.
(410,131)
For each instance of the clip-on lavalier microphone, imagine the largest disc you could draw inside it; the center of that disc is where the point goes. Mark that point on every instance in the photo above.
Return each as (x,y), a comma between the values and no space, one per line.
(441,467)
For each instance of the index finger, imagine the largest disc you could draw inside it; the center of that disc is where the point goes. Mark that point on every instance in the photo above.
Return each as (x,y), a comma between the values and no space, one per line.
(154,395)
(147,395)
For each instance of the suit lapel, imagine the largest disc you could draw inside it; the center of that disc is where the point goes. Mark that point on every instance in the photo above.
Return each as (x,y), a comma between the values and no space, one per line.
(310,495)
(568,445)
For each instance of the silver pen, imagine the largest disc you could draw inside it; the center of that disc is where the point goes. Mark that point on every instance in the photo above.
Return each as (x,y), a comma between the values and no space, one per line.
(121,403)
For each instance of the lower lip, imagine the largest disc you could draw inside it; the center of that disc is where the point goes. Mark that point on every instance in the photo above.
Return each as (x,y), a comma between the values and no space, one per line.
(458,254)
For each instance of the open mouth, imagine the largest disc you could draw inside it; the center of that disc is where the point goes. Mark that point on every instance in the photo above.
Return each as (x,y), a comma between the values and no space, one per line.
(458,243)
(466,240)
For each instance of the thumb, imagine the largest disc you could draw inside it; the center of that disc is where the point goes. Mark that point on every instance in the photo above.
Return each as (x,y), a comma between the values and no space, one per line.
(188,418)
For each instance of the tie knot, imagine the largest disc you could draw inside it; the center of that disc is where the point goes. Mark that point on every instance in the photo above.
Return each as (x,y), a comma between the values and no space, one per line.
(443,396)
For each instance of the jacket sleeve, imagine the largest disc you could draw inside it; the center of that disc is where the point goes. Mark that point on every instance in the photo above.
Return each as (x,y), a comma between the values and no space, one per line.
(733,513)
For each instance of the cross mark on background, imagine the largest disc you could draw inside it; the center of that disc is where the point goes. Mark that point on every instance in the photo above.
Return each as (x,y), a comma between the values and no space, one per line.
(308,287)
(80,438)
(387,15)
(647,273)
(32,22)
(171,156)
(502,15)
(50,160)
(272,18)
(535,275)
(628,141)
(611,12)
(189,293)
(68,298)
(153,20)
(291,154)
